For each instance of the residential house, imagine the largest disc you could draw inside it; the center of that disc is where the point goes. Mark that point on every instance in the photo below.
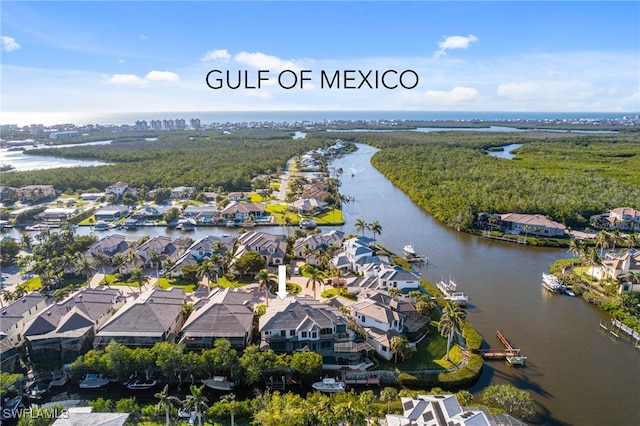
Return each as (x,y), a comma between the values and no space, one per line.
(13,317)
(117,189)
(226,313)
(66,329)
(91,196)
(154,316)
(316,190)
(206,246)
(111,213)
(625,267)
(181,192)
(308,206)
(9,356)
(531,224)
(238,196)
(56,214)
(438,410)
(8,193)
(399,278)
(36,192)
(150,212)
(162,246)
(109,246)
(242,212)
(381,324)
(292,323)
(304,247)
(625,219)
(357,250)
(272,247)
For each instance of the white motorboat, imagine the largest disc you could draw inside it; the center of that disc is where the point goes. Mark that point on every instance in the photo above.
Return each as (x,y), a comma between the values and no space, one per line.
(218,383)
(329,384)
(568,292)
(308,224)
(459,297)
(409,251)
(141,384)
(552,283)
(93,381)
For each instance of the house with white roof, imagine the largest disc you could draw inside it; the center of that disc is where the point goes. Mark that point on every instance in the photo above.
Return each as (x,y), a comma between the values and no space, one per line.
(437,410)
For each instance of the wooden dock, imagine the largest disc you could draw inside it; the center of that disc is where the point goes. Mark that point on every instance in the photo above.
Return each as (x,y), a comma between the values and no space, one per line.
(519,240)
(509,353)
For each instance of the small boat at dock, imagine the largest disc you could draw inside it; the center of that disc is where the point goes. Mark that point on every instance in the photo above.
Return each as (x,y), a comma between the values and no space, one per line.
(141,384)
(218,383)
(329,384)
(410,254)
(93,381)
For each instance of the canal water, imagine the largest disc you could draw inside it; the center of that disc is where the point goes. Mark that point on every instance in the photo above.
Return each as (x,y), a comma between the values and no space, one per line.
(577,373)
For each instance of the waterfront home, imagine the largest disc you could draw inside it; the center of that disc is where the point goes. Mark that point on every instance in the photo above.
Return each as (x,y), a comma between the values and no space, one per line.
(8,193)
(226,314)
(66,329)
(381,324)
(150,212)
(14,316)
(117,189)
(308,206)
(110,213)
(398,278)
(154,316)
(438,410)
(162,246)
(241,212)
(202,214)
(238,196)
(623,268)
(91,196)
(56,214)
(530,224)
(304,247)
(357,249)
(272,247)
(107,246)
(317,191)
(296,323)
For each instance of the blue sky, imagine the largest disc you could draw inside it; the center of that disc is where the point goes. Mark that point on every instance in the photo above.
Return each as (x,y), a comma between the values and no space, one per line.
(471,56)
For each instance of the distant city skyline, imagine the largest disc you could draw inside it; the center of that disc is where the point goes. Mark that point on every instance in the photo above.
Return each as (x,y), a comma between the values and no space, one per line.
(93,57)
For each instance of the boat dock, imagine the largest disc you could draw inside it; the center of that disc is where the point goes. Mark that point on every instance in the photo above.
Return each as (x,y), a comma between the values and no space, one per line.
(509,353)
(617,326)
(369,379)
(519,240)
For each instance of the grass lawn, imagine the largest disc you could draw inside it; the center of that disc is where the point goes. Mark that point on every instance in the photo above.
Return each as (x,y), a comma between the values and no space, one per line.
(224,282)
(431,354)
(331,217)
(279,211)
(166,283)
(87,221)
(32,284)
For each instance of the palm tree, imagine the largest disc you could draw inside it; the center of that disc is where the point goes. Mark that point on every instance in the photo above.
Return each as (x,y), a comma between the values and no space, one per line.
(208,269)
(314,278)
(388,394)
(156,260)
(86,269)
(101,261)
(231,400)
(286,223)
(165,402)
(376,228)
(603,240)
(576,247)
(361,226)
(137,275)
(196,401)
(452,318)
(265,279)
(400,345)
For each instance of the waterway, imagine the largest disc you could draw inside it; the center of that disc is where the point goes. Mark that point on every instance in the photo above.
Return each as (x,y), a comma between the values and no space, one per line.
(577,373)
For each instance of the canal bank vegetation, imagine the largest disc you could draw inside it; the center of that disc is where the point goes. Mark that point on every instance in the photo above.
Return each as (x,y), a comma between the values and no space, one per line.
(567,177)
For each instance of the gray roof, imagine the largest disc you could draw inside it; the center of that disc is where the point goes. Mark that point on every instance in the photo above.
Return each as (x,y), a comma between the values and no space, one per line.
(303,313)
(152,313)
(92,419)
(11,314)
(223,315)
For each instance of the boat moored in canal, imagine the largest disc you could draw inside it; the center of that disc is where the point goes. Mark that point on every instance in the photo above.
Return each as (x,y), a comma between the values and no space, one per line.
(93,381)
(218,383)
(552,283)
(329,384)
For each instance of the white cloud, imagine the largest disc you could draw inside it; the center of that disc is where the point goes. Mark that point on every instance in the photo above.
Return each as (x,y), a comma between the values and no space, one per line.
(121,61)
(214,55)
(456,95)
(162,76)
(133,80)
(262,61)
(454,42)
(9,44)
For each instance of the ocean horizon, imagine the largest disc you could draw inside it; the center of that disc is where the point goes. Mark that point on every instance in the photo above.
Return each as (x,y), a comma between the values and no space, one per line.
(208,117)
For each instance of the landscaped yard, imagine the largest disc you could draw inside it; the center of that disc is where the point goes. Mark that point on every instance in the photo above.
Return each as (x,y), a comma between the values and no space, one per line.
(431,354)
